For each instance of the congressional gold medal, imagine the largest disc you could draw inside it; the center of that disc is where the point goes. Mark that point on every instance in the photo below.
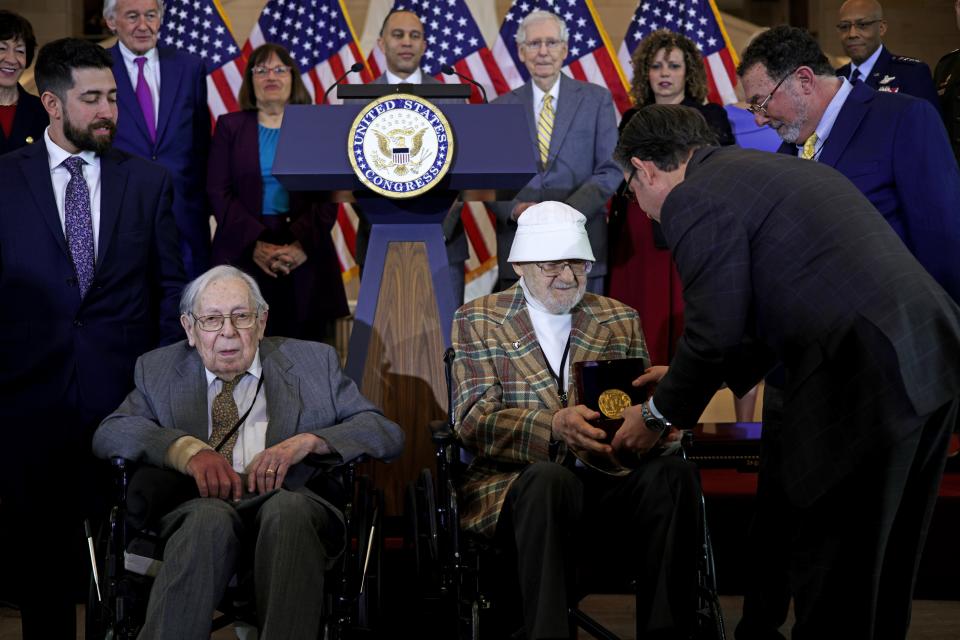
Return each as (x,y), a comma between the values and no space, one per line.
(612,403)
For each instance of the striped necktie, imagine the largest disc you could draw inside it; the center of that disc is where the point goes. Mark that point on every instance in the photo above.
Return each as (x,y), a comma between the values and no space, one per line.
(545,128)
(225,415)
(810,147)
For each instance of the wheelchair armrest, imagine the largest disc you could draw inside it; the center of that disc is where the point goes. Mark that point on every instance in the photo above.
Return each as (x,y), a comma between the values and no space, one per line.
(329,461)
(441,433)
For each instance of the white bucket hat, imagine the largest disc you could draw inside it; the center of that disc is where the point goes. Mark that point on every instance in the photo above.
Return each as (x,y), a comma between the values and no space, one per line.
(551,231)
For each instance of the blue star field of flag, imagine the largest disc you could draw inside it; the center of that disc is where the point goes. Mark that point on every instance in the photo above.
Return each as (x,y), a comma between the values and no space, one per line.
(584,34)
(195,26)
(452,33)
(311,30)
(692,18)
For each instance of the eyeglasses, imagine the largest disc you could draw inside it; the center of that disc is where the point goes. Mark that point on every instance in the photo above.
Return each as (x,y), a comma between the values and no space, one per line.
(762,107)
(214,322)
(534,45)
(279,70)
(625,190)
(577,267)
(861,25)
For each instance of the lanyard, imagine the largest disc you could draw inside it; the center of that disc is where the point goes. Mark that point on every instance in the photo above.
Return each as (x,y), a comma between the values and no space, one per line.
(561,388)
(242,418)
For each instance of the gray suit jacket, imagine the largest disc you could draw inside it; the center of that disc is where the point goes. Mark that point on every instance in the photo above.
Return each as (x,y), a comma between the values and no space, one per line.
(580,169)
(785,261)
(305,391)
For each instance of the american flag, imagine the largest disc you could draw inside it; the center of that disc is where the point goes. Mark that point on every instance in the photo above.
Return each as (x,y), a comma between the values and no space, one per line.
(590,57)
(201,28)
(318,35)
(700,21)
(453,38)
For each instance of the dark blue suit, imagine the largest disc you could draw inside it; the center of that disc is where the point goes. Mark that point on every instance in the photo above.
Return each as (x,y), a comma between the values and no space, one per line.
(66,362)
(895,151)
(899,74)
(183,141)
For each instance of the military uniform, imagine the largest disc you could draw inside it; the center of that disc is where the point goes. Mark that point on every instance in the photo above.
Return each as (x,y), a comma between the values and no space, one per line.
(899,74)
(947,82)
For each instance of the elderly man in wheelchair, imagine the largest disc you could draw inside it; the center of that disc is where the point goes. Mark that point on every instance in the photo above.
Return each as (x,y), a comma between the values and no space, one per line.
(525,488)
(233,415)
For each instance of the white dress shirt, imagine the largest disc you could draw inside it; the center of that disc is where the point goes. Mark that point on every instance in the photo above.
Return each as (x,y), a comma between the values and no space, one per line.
(252,436)
(60,176)
(414,78)
(151,71)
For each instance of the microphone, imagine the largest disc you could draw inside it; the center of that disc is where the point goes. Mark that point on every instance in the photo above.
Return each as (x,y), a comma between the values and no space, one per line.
(450,71)
(356,68)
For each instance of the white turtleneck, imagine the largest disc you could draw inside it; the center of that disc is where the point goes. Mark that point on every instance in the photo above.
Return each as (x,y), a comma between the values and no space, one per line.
(553,331)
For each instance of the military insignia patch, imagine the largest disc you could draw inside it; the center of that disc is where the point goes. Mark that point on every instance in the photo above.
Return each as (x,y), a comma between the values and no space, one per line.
(888,79)
(400,146)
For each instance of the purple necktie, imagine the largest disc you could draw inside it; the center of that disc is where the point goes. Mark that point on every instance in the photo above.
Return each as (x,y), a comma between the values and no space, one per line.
(145,98)
(78,223)
(855,77)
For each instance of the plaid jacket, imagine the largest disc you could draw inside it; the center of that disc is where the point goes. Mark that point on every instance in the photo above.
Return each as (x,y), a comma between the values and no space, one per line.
(506,396)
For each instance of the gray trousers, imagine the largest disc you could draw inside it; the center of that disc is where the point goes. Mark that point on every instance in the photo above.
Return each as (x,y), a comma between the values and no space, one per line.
(286,543)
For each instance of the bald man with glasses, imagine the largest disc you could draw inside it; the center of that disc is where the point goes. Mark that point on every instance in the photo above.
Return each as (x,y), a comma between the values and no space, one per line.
(861,27)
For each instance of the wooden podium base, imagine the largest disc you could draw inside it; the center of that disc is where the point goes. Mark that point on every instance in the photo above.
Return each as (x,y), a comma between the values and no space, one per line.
(397,345)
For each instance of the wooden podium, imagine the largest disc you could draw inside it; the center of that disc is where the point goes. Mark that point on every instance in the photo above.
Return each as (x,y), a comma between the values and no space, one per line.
(405,309)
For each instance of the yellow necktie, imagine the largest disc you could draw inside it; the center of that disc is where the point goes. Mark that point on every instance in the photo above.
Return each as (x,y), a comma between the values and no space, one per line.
(810,147)
(545,128)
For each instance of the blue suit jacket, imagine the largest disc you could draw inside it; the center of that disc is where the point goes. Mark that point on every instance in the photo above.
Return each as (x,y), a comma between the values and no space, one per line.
(899,74)
(580,169)
(895,150)
(56,349)
(183,141)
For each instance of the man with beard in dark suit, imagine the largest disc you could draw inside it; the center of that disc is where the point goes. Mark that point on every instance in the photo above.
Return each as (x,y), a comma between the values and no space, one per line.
(784,262)
(90,276)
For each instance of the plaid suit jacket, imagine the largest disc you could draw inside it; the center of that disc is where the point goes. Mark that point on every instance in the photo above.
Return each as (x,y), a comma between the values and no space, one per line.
(506,396)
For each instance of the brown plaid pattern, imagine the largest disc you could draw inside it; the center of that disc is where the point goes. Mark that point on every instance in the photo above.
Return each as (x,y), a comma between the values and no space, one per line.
(225,415)
(505,395)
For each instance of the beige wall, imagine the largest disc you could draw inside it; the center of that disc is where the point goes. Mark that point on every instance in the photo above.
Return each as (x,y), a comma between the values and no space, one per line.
(924,29)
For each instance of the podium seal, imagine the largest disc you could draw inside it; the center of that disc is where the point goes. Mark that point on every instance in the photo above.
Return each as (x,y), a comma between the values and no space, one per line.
(400,145)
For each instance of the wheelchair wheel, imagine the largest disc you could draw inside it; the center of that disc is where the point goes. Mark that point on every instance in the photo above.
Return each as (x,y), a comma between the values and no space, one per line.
(710,624)
(421,519)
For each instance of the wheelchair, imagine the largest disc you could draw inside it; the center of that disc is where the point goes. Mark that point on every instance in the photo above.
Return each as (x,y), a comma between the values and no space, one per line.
(125,559)
(453,567)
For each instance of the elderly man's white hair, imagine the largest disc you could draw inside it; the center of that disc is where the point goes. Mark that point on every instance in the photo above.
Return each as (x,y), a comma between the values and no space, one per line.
(110,7)
(536,16)
(193,290)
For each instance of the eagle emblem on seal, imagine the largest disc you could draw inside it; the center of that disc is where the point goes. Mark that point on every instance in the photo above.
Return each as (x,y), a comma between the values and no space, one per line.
(401,150)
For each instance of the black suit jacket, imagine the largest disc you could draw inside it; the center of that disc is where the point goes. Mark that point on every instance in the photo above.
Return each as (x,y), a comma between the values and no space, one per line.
(57,349)
(29,121)
(784,260)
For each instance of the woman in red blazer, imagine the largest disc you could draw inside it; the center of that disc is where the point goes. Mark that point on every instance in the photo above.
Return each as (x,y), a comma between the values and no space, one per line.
(281,238)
